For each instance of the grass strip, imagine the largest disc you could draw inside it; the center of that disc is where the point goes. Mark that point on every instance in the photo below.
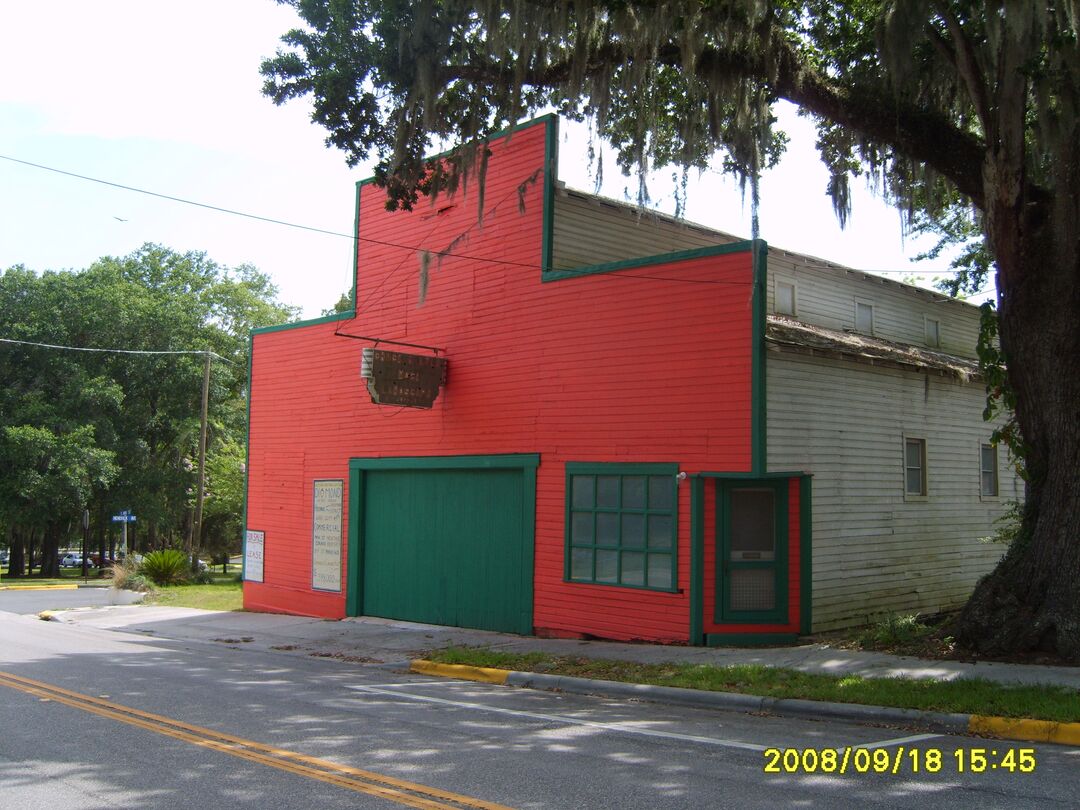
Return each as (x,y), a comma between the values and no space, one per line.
(964,696)
(225,594)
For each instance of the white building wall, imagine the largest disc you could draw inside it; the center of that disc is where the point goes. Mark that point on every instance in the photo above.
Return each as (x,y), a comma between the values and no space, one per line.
(875,550)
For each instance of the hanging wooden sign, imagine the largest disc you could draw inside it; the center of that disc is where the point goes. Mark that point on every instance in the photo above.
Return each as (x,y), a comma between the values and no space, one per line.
(409,380)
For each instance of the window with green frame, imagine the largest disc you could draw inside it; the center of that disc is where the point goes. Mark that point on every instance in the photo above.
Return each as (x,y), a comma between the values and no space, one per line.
(621,524)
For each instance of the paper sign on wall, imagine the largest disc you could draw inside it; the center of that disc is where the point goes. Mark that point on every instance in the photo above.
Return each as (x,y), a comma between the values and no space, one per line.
(326,523)
(254,547)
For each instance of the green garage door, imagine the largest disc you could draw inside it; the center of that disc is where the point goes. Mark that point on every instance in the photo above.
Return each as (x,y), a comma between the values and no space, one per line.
(447,541)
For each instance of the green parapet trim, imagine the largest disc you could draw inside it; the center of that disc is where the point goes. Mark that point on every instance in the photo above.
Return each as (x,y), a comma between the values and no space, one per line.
(758,421)
(646,261)
(551,144)
(697,560)
(281,327)
(354,584)
(750,639)
(806,555)
(356,250)
(522,460)
(247,468)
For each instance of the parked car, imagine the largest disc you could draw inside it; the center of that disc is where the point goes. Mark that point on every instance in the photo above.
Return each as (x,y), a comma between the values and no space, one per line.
(5,557)
(71,561)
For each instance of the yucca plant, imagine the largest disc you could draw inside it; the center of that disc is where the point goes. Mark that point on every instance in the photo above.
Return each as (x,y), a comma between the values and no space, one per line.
(166,567)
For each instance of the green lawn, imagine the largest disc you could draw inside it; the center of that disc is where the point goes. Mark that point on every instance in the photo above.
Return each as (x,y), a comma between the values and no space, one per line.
(225,593)
(963,696)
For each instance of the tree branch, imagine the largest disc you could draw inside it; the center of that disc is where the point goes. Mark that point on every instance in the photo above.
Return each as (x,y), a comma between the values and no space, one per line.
(925,135)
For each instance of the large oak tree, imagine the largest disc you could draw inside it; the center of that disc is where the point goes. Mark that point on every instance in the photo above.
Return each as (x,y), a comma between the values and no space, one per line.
(953,106)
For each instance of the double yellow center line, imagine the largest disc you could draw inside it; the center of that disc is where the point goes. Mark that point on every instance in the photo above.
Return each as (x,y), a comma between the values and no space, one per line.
(401,791)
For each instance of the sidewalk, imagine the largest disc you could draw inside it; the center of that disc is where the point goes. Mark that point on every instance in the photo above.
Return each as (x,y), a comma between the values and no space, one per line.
(389,641)
(368,640)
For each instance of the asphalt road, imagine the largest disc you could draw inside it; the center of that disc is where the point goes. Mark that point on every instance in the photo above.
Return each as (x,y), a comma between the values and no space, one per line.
(518,748)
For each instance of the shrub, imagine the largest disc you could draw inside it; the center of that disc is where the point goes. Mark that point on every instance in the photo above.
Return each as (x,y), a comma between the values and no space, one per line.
(126,576)
(166,567)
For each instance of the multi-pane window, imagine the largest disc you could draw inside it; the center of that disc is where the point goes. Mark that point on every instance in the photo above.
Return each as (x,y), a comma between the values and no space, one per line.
(621,524)
(915,466)
(988,471)
(784,302)
(864,317)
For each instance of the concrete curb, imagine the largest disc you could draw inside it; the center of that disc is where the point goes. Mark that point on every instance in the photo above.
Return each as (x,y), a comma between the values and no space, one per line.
(38,587)
(944,722)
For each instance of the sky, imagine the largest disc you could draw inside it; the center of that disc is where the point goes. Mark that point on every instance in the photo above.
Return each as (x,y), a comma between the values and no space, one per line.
(167,97)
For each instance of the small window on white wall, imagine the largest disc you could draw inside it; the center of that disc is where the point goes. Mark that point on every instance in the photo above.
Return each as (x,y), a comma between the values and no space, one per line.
(914,467)
(988,471)
(864,317)
(933,332)
(784,303)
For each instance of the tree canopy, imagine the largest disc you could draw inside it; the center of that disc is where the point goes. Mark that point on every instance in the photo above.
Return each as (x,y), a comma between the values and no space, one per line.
(104,430)
(964,112)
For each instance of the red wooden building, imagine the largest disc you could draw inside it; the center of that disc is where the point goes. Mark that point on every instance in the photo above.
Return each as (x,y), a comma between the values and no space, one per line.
(593,464)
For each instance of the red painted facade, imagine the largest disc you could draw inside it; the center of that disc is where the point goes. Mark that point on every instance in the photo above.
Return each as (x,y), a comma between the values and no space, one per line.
(643,364)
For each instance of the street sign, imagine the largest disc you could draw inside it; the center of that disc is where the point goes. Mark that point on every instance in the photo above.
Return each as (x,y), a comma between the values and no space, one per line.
(123,517)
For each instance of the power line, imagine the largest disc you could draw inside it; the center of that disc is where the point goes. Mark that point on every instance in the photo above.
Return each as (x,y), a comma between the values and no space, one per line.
(177,199)
(381,242)
(203,352)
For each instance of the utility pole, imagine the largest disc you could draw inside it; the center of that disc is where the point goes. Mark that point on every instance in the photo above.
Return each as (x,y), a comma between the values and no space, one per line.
(196,529)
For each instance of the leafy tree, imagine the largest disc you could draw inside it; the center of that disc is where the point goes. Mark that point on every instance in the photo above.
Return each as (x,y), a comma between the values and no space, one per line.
(344,304)
(224,506)
(944,102)
(106,430)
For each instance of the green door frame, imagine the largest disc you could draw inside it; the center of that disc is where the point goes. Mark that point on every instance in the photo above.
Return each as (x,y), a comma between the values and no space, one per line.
(779,563)
(358,467)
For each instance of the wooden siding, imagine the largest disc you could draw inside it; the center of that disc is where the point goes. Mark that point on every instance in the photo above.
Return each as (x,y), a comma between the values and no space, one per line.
(594,230)
(602,368)
(825,295)
(874,550)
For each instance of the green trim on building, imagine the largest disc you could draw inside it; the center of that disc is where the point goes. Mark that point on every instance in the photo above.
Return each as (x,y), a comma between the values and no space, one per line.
(354,595)
(551,145)
(697,560)
(522,460)
(741,476)
(356,251)
(247,465)
(618,511)
(806,555)
(281,327)
(645,261)
(758,428)
(750,639)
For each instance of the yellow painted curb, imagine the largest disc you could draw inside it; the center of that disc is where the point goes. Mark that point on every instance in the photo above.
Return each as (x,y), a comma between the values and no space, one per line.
(1023,729)
(38,587)
(460,671)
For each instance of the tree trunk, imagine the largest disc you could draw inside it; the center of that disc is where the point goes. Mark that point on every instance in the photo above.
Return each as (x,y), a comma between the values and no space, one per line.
(17,553)
(99,531)
(50,552)
(1031,602)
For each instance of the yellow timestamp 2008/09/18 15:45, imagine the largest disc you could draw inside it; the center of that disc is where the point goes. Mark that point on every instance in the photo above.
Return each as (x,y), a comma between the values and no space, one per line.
(899,760)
